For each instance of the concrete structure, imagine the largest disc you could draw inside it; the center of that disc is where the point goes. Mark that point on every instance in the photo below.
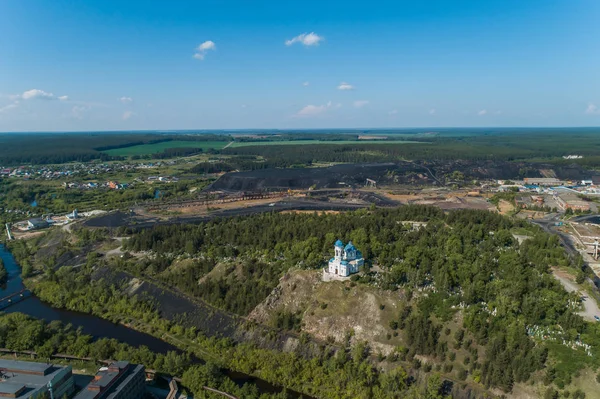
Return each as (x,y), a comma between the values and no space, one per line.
(120,380)
(29,380)
(35,224)
(346,261)
(543,181)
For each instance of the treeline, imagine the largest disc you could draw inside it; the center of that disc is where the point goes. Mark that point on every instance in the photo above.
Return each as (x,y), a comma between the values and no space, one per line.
(3,272)
(19,332)
(47,148)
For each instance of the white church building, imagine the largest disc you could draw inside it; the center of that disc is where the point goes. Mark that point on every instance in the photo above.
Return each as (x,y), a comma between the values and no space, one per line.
(346,261)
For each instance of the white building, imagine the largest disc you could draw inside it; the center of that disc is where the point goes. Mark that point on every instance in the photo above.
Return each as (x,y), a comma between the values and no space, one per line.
(346,261)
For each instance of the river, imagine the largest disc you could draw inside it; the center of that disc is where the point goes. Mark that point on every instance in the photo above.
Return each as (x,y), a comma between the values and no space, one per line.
(98,327)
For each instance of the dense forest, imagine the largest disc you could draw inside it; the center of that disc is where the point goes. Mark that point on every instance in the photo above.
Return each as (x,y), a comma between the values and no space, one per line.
(466,258)
(46,148)
(469,144)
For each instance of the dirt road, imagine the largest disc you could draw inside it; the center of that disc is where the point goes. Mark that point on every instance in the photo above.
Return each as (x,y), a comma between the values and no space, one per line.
(591,308)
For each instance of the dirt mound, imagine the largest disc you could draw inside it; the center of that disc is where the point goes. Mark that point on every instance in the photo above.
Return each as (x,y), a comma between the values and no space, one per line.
(175,306)
(337,176)
(334,309)
(114,219)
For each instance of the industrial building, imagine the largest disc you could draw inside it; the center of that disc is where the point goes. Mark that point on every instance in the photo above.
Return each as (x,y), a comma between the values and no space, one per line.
(24,380)
(35,224)
(120,380)
(543,181)
(572,201)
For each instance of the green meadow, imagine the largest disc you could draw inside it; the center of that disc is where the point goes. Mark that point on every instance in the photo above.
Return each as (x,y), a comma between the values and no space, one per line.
(144,149)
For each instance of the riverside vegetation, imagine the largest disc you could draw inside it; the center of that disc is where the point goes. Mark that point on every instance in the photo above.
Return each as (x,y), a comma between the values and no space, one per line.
(464,262)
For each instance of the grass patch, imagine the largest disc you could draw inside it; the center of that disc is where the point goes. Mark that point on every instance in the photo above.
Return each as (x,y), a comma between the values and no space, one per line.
(155,148)
(522,231)
(569,361)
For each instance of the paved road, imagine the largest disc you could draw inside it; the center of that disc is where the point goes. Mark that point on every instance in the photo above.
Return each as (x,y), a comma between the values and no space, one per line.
(591,308)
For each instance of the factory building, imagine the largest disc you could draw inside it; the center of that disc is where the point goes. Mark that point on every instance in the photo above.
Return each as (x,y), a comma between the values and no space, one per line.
(543,181)
(29,380)
(572,201)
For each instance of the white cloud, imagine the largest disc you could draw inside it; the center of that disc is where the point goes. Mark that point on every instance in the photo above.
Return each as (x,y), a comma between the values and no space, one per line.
(592,109)
(432,111)
(312,110)
(393,112)
(128,115)
(482,112)
(307,39)
(360,103)
(203,48)
(244,105)
(345,86)
(78,111)
(9,107)
(126,100)
(37,94)
(316,110)
(305,84)
(207,45)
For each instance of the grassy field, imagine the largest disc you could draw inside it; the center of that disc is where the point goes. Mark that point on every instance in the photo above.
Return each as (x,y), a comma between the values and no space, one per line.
(307,142)
(160,147)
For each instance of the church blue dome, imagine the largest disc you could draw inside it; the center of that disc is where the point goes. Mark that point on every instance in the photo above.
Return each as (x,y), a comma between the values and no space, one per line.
(339,243)
(350,246)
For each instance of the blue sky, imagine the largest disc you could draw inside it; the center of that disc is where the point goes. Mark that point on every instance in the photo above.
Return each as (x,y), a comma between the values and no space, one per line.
(120,65)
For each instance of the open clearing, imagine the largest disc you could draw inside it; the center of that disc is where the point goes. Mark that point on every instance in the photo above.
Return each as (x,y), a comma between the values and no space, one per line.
(144,149)
(306,142)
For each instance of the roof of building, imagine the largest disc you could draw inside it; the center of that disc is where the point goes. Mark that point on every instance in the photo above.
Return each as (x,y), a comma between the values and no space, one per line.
(105,378)
(339,243)
(11,389)
(350,246)
(24,379)
(38,222)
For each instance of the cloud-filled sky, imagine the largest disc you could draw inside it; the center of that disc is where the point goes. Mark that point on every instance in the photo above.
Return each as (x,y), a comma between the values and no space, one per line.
(121,65)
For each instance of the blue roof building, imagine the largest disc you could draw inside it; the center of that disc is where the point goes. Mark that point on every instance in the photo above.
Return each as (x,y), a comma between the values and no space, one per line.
(347,260)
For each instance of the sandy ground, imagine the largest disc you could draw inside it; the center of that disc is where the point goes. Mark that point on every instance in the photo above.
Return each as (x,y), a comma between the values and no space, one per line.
(591,308)
(505,207)
(202,209)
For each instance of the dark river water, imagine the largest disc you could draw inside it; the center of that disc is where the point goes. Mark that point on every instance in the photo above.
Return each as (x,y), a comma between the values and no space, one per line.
(98,327)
